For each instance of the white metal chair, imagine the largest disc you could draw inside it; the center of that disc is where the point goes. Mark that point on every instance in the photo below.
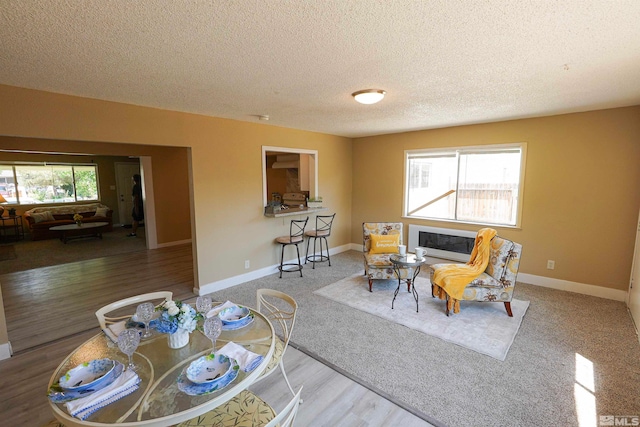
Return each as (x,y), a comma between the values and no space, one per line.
(111,314)
(247,410)
(281,310)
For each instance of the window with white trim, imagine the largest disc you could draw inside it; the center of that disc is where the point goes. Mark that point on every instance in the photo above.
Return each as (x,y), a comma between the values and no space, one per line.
(25,183)
(467,184)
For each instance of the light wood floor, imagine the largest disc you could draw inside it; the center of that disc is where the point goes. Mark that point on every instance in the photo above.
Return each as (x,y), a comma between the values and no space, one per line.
(50,311)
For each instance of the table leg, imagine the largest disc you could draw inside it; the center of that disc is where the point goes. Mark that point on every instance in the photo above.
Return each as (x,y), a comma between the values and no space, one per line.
(395,294)
(415,292)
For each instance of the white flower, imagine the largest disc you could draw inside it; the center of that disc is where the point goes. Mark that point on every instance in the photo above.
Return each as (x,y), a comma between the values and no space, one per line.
(185,308)
(173,310)
(170,304)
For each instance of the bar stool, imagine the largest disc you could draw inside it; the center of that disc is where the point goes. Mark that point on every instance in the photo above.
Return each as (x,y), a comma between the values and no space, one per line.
(322,231)
(296,235)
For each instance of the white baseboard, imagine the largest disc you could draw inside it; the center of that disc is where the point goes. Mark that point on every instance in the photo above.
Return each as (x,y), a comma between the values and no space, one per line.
(178,242)
(5,351)
(580,288)
(547,282)
(252,275)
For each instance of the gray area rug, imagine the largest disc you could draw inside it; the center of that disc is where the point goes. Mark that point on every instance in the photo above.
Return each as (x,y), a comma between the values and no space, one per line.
(482,327)
(534,386)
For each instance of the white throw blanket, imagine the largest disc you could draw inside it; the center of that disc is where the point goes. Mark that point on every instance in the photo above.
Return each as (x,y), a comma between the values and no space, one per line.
(124,385)
(247,360)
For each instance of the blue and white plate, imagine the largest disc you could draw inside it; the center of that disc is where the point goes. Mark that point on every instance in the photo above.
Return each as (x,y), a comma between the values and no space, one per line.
(193,389)
(87,375)
(245,322)
(209,368)
(234,315)
(59,395)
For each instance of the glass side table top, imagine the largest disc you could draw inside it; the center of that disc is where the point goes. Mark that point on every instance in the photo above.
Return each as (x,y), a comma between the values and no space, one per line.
(408,260)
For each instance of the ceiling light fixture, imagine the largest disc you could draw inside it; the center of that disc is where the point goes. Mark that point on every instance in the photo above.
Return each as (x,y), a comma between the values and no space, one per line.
(369,96)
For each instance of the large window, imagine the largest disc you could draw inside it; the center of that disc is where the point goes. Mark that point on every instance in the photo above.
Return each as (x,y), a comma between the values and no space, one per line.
(472,184)
(50,183)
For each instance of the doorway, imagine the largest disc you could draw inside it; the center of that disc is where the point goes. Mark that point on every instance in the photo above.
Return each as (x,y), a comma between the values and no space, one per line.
(124,186)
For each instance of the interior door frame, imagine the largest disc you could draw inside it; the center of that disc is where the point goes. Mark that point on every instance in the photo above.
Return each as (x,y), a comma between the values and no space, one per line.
(124,171)
(148,198)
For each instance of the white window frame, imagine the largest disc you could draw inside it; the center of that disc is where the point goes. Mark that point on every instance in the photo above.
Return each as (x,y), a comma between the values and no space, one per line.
(522,146)
(18,202)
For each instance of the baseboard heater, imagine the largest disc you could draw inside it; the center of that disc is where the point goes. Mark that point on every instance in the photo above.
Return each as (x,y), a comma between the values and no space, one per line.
(445,243)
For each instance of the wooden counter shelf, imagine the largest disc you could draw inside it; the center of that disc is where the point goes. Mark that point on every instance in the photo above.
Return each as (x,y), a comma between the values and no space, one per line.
(295,211)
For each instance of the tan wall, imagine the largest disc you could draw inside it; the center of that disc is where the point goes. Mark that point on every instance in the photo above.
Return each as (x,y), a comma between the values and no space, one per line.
(226,161)
(581,195)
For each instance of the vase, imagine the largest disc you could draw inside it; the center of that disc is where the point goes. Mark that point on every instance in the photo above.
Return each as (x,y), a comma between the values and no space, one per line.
(79,223)
(179,338)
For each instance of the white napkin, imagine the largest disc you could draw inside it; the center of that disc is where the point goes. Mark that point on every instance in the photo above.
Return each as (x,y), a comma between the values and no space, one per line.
(247,360)
(217,309)
(114,330)
(125,384)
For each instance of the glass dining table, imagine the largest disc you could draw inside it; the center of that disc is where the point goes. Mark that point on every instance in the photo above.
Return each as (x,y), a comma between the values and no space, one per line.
(159,401)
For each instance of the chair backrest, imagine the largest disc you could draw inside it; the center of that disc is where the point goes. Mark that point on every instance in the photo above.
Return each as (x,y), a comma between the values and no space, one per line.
(369,228)
(105,319)
(287,416)
(504,260)
(296,229)
(280,309)
(323,224)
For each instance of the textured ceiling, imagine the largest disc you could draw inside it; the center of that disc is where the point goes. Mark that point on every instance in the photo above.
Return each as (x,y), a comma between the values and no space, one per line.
(441,62)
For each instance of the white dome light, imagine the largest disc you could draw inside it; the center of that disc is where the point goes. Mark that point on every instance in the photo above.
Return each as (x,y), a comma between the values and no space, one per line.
(369,96)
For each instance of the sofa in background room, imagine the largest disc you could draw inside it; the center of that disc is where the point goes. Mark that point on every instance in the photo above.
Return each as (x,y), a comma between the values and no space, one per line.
(40,219)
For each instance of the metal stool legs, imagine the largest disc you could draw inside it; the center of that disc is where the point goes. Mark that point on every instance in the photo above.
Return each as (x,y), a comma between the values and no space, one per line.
(314,257)
(295,267)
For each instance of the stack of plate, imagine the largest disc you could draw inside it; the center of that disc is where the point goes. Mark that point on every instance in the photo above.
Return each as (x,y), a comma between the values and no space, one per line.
(235,317)
(84,379)
(208,374)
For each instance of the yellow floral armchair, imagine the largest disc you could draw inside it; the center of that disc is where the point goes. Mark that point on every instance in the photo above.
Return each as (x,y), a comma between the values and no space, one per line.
(497,282)
(378,265)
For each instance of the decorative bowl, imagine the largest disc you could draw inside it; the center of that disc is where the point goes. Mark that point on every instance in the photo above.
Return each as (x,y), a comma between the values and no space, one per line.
(210,368)
(234,315)
(88,375)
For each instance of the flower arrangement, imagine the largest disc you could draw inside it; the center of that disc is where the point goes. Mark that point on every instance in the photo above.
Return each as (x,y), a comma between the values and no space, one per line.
(176,314)
(78,218)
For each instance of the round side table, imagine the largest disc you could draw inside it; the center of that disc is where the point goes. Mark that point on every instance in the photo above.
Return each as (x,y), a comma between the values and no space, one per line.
(406,261)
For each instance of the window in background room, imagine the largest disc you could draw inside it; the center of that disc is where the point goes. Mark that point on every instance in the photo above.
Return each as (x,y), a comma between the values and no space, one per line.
(50,183)
(473,184)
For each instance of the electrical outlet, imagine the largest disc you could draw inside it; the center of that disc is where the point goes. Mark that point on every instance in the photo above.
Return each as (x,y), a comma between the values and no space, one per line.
(551,264)
(246,264)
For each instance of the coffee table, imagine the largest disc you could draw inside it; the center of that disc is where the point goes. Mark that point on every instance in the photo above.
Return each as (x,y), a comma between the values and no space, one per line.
(75,231)
(406,261)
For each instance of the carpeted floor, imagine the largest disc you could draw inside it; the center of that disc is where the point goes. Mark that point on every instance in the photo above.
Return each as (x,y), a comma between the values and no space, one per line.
(482,327)
(537,384)
(43,253)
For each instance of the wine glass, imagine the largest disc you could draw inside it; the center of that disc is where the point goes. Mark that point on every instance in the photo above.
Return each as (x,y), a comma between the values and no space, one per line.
(203,304)
(128,341)
(144,312)
(213,329)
